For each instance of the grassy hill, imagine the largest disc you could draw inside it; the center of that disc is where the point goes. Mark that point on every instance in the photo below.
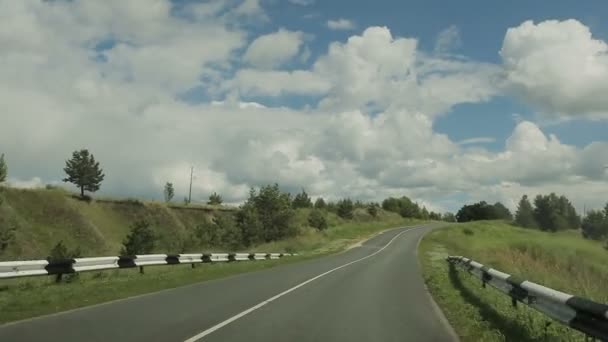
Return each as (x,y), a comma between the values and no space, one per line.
(563,261)
(41,218)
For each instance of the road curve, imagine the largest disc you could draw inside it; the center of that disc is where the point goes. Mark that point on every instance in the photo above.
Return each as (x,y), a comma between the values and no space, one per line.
(370,293)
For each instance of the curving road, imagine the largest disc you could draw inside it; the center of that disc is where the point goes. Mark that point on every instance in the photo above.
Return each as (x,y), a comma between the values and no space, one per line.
(370,293)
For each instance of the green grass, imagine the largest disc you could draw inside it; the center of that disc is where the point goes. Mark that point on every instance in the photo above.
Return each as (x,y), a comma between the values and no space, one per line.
(563,261)
(44,217)
(30,297)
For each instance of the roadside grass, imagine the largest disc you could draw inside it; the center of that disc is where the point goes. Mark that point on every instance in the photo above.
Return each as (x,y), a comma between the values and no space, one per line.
(31,297)
(563,261)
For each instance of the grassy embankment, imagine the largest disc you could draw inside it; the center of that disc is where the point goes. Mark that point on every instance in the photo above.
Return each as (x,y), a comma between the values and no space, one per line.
(44,217)
(563,261)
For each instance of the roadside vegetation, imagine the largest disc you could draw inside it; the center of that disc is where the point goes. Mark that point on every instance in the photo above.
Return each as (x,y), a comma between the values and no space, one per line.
(560,260)
(55,223)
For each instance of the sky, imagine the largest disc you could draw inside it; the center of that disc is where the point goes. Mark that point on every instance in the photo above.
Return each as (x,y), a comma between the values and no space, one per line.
(445,102)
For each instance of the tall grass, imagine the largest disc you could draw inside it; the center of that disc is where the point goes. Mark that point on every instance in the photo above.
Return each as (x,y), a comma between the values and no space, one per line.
(563,261)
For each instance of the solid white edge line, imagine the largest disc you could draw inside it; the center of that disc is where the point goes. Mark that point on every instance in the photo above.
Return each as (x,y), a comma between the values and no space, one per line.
(220,325)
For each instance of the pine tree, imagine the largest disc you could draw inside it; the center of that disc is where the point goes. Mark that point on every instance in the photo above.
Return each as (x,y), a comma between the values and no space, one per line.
(169,192)
(83,171)
(302,200)
(524,216)
(215,199)
(3,168)
(320,203)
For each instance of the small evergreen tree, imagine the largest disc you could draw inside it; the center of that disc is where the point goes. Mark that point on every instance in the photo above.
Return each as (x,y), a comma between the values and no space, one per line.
(3,168)
(60,251)
(373,209)
(524,216)
(215,199)
(141,239)
(595,225)
(320,203)
(317,219)
(345,208)
(83,171)
(169,192)
(302,200)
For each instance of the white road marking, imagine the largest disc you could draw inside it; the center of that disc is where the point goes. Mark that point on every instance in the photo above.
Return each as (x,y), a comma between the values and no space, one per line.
(218,326)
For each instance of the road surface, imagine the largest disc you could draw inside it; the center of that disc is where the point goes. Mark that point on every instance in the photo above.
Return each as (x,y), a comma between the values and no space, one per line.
(369,293)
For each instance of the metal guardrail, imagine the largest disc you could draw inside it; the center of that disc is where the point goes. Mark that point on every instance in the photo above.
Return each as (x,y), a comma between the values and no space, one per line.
(17,269)
(579,313)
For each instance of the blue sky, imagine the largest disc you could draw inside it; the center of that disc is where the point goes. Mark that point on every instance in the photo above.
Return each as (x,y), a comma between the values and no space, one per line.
(482,27)
(412,99)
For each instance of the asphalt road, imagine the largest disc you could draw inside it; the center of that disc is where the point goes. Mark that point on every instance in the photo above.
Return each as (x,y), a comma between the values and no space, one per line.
(369,293)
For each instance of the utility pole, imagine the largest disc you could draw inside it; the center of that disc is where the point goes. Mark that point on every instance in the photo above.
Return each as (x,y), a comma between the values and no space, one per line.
(190,191)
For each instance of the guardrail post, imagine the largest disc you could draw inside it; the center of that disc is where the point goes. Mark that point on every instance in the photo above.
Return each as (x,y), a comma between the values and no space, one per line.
(58,277)
(193,265)
(141,270)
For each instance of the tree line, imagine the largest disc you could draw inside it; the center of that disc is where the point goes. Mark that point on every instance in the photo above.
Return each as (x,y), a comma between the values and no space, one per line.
(549,213)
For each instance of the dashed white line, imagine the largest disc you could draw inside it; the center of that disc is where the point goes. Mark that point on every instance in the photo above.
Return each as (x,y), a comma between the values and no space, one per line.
(218,326)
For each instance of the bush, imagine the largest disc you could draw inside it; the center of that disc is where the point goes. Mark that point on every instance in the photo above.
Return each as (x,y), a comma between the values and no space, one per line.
(595,225)
(467,231)
(60,251)
(141,239)
(302,200)
(345,208)
(230,233)
(266,216)
(8,227)
(215,199)
(317,219)
(373,209)
(320,203)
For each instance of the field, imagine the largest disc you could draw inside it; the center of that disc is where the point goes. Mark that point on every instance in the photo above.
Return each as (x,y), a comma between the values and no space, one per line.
(563,261)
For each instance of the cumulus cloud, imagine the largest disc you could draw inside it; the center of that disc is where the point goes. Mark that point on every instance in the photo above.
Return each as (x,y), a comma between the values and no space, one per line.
(274,49)
(375,70)
(107,76)
(559,67)
(341,24)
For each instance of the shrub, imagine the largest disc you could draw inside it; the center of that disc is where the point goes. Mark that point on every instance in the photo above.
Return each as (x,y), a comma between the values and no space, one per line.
(345,208)
(266,216)
(215,199)
(320,203)
(595,225)
(302,200)
(317,219)
(60,251)
(467,231)
(7,233)
(372,209)
(140,240)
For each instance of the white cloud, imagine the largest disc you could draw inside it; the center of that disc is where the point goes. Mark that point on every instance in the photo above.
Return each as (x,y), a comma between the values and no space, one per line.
(341,24)
(448,39)
(559,67)
(275,49)
(376,70)
(371,135)
(251,82)
(477,140)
